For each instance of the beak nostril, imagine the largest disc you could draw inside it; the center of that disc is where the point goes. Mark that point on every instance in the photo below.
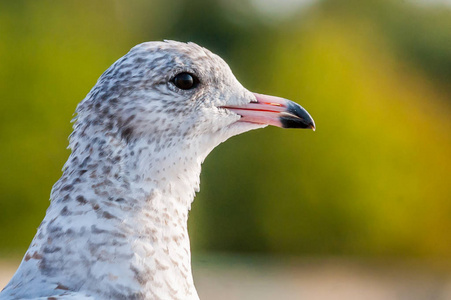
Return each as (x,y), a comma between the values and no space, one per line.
(274,104)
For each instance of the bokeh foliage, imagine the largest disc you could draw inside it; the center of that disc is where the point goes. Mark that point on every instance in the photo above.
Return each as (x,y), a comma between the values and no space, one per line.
(374,179)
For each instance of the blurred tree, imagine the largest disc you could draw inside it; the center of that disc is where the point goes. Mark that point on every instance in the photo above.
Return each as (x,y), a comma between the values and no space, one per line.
(420,33)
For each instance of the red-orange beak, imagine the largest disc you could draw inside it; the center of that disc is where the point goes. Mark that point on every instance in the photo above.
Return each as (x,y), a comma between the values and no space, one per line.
(274,111)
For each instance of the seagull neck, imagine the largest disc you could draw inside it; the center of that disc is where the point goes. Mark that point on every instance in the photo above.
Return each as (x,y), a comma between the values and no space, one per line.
(127,212)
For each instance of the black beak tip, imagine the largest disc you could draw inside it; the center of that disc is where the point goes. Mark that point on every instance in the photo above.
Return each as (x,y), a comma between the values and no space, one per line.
(297,117)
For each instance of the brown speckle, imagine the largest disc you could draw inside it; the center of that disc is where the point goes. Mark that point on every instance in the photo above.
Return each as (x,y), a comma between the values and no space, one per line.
(80,199)
(61,287)
(35,255)
(107,215)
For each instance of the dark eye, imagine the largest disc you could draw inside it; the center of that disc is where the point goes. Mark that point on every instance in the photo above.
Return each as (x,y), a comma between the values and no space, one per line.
(185,81)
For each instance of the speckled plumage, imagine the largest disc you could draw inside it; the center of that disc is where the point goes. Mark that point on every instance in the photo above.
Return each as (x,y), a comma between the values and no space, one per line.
(116,227)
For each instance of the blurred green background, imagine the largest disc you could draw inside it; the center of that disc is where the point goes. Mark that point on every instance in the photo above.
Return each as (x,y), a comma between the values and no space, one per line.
(374,180)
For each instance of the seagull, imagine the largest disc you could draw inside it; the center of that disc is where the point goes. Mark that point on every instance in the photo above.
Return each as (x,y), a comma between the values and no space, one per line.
(116,227)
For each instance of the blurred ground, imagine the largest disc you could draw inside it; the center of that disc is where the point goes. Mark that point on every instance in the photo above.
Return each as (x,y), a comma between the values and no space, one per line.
(238,277)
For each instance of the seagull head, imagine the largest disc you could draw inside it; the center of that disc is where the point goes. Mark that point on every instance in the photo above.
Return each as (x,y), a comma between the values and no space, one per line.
(168,93)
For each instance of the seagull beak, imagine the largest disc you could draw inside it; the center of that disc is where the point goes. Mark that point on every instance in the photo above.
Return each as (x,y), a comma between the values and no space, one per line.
(274,111)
